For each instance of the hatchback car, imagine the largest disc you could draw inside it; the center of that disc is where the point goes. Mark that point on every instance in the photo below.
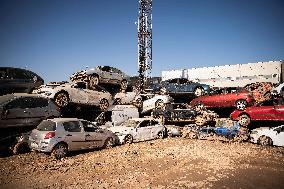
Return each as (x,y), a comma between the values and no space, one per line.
(77,93)
(268,136)
(17,80)
(139,129)
(102,75)
(239,99)
(61,135)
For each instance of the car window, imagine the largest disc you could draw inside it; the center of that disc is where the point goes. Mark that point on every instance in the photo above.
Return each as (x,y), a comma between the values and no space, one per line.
(267,103)
(89,127)
(106,69)
(20,74)
(80,85)
(145,123)
(153,122)
(19,103)
(72,126)
(46,125)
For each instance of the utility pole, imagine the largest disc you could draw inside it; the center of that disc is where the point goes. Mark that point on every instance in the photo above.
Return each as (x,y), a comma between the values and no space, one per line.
(144,42)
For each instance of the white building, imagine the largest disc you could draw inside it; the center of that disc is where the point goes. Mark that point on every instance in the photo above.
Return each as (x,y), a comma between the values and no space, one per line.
(232,75)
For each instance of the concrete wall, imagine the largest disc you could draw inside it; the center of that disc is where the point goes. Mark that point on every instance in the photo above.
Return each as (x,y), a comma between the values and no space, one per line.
(232,75)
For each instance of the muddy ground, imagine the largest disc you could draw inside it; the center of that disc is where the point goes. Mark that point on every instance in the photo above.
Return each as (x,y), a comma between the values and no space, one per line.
(163,163)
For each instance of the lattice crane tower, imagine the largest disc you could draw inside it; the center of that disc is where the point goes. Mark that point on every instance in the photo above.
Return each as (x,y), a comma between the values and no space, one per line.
(144,42)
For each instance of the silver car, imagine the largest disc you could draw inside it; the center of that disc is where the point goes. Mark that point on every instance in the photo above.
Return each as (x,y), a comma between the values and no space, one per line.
(139,129)
(61,135)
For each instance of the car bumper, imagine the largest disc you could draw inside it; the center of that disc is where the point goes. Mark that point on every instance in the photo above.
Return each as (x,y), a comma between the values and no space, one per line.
(253,138)
(41,146)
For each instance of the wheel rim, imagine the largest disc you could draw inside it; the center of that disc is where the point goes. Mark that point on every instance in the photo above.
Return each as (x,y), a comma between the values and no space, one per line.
(60,151)
(123,85)
(128,139)
(198,92)
(109,143)
(241,105)
(265,141)
(199,121)
(161,135)
(94,81)
(244,120)
(104,104)
(139,103)
(159,104)
(61,100)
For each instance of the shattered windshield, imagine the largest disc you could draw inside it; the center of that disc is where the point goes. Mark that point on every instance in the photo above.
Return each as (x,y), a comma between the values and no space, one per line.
(130,123)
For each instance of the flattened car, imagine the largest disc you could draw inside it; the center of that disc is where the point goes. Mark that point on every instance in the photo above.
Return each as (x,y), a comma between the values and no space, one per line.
(102,75)
(77,93)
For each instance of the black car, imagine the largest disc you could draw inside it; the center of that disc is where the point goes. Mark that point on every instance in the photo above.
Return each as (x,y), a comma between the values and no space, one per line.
(180,86)
(17,80)
(21,112)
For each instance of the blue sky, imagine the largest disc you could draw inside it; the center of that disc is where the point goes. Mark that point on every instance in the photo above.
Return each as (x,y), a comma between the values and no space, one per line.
(56,38)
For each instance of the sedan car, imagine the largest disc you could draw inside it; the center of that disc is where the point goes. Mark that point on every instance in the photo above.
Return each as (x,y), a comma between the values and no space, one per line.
(271,110)
(268,136)
(239,99)
(180,86)
(102,75)
(151,102)
(17,80)
(128,98)
(139,129)
(77,93)
(61,135)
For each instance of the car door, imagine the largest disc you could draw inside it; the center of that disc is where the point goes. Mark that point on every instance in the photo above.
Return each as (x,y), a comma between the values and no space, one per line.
(77,93)
(155,128)
(279,112)
(94,96)
(16,113)
(264,111)
(278,140)
(94,135)
(116,75)
(74,135)
(143,131)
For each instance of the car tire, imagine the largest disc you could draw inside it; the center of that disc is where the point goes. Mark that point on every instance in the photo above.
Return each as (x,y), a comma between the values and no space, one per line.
(199,106)
(139,103)
(244,120)
(200,121)
(241,104)
(128,139)
(104,104)
(61,99)
(161,135)
(59,151)
(159,104)
(199,91)
(265,141)
(123,85)
(94,81)
(109,143)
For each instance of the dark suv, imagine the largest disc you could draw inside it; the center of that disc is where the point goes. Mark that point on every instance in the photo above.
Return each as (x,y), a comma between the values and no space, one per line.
(21,112)
(17,80)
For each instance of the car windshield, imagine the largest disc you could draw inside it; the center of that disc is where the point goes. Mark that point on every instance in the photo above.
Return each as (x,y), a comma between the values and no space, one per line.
(6,98)
(130,123)
(46,125)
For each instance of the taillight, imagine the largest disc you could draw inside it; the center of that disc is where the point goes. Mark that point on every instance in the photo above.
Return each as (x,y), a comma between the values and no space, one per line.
(49,135)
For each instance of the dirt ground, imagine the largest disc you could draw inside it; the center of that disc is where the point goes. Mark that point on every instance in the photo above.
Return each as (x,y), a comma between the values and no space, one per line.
(163,163)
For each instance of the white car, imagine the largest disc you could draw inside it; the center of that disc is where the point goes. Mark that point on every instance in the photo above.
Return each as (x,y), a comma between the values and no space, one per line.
(268,136)
(128,98)
(155,102)
(279,90)
(77,93)
(139,129)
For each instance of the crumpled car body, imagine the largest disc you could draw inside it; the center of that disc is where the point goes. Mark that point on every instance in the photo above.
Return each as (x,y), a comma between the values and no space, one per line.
(139,129)
(261,91)
(77,93)
(105,75)
(128,98)
(268,136)
(151,102)
(180,86)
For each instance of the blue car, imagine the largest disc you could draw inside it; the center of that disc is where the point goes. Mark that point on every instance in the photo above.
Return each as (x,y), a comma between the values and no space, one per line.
(180,86)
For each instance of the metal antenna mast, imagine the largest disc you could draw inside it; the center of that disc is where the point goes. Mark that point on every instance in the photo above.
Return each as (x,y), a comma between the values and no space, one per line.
(144,42)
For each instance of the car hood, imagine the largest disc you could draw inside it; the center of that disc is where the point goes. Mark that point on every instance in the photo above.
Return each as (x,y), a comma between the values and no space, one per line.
(121,129)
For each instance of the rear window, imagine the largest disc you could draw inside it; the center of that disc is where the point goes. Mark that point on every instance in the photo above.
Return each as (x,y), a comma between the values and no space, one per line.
(46,126)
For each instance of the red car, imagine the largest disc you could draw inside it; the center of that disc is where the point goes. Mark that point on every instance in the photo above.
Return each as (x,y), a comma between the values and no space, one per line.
(239,99)
(265,111)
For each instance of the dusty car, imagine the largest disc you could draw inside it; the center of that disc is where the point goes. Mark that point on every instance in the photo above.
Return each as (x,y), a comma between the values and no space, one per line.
(128,98)
(151,102)
(268,136)
(239,99)
(77,93)
(261,91)
(180,86)
(271,110)
(17,80)
(61,135)
(20,113)
(102,75)
(139,129)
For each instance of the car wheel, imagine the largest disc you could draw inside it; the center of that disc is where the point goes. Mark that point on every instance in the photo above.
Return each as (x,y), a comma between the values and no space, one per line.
(161,135)
(104,104)
(159,105)
(200,121)
(139,103)
(241,104)
(199,91)
(109,142)
(123,85)
(265,141)
(199,107)
(59,151)
(117,101)
(163,91)
(61,99)
(128,139)
(244,120)
(94,81)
